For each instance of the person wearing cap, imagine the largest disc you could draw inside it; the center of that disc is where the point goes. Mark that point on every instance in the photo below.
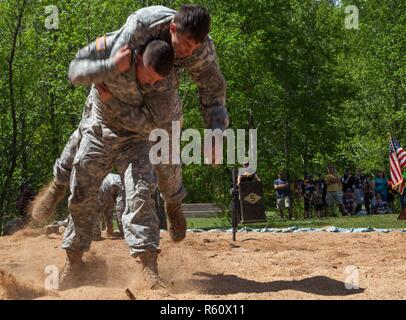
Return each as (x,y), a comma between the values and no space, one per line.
(247,174)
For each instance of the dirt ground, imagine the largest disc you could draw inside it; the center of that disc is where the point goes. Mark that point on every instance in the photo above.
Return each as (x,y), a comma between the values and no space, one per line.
(211,266)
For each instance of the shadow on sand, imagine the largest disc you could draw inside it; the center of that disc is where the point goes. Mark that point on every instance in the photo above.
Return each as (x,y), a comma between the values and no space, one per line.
(221,284)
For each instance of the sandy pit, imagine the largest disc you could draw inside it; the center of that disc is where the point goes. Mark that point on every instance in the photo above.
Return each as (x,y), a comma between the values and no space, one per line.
(212,266)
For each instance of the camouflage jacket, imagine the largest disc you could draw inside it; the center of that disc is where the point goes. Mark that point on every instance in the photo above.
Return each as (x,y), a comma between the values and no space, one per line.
(94,64)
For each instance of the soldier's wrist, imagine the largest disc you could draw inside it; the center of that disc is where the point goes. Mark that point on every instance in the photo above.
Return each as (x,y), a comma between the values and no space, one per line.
(215,117)
(217,125)
(111,66)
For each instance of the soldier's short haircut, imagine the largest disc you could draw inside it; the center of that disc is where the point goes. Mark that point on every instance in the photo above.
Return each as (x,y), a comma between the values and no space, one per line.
(159,55)
(193,20)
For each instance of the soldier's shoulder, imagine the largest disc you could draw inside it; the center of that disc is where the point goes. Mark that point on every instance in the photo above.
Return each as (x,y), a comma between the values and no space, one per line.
(157,9)
(152,14)
(205,53)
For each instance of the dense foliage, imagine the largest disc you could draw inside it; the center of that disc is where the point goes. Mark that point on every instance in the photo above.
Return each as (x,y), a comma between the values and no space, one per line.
(318,92)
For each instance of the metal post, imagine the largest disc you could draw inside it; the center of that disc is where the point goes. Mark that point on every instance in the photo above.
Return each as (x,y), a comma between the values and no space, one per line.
(235,206)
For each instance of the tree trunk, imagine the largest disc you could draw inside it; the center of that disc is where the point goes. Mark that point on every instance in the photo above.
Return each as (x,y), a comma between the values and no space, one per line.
(5,187)
(306,169)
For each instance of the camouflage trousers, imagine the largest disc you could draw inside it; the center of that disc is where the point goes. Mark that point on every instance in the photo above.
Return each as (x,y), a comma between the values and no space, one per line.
(91,152)
(169,175)
(101,148)
(63,165)
(104,213)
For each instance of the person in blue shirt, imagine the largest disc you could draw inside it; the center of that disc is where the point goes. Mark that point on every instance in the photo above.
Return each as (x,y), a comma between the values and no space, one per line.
(307,191)
(381,185)
(281,186)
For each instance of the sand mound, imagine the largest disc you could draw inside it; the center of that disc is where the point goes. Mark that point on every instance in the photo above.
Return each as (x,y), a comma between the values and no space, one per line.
(27,233)
(15,289)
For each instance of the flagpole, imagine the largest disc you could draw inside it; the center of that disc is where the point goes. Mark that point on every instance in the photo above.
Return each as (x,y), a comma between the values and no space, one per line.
(391,140)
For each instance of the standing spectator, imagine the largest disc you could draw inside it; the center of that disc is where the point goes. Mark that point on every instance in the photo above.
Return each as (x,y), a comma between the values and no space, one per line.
(323,189)
(318,198)
(334,194)
(299,189)
(391,195)
(349,202)
(358,191)
(307,191)
(378,205)
(247,174)
(368,190)
(381,185)
(347,180)
(281,186)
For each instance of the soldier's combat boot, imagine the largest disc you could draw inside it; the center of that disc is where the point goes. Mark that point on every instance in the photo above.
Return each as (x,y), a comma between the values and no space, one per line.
(97,237)
(44,204)
(70,276)
(149,262)
(176,221)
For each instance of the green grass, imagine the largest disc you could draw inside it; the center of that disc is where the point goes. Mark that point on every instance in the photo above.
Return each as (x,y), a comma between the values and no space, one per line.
(387,221)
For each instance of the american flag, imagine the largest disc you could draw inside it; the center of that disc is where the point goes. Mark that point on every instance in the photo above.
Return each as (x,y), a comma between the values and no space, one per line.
(397,160)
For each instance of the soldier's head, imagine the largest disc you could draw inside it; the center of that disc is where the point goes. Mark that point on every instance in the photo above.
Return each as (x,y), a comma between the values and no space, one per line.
(155,62)
(281,175)
(331,169)
(189,29)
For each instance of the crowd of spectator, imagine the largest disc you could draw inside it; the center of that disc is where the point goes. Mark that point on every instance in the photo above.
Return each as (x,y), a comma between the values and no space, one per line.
(353,193)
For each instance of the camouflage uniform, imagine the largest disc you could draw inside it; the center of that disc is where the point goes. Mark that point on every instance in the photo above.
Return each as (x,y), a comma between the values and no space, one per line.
(119,121)
(104,143)
(111,196)
(152,23)
(63,165)
(141,27)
